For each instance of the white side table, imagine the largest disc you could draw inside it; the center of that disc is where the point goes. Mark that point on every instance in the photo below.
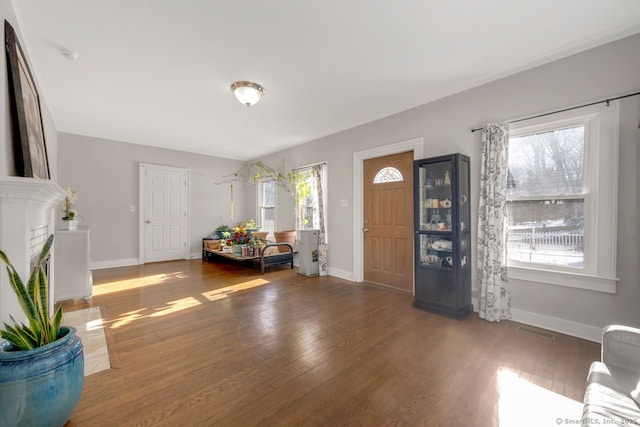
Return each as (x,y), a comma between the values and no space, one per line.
(71,257)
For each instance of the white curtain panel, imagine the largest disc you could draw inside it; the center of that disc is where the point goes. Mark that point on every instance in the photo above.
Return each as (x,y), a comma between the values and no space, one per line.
(494,299)
(318,172)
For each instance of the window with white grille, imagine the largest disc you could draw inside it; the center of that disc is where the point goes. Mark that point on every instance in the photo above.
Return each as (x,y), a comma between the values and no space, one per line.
(267,203)
(562,198)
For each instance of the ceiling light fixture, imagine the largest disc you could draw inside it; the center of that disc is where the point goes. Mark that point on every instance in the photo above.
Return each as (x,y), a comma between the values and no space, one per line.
(247,93)
(69,54)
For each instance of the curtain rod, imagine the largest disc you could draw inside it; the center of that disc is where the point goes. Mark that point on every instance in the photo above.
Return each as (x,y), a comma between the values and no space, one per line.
(608,100)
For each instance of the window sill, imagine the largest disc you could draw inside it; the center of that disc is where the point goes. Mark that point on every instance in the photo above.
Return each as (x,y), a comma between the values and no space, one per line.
(562,278)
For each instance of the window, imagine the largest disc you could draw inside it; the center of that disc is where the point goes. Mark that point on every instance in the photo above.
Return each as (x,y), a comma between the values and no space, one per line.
(309,206)
(546,196)
(267,203)
(561,198)
(388,174)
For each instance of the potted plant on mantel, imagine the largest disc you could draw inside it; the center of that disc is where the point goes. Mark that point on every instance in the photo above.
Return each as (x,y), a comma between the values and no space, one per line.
(294,183)
(42,363)
(70,222)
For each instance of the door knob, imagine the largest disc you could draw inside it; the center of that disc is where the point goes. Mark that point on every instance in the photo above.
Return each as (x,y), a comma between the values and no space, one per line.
(365,229)
(147,222)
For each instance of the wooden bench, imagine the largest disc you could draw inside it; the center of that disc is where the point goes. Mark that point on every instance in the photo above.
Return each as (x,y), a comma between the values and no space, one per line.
(264,260)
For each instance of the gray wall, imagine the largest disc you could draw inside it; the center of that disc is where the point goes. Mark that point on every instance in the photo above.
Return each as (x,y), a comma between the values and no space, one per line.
(606,71)
(105,175)
(7,164)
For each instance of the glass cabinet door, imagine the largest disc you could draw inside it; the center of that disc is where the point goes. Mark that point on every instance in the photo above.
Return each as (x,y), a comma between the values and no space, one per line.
(436,197)
(436,214)
(464,220)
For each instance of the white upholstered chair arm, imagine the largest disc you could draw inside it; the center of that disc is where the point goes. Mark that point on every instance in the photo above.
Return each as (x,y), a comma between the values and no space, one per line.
(621,347)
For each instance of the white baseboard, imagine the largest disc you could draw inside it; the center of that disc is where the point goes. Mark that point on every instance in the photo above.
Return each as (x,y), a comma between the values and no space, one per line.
(98,265)
(563,326)
(341,274)
(196,255)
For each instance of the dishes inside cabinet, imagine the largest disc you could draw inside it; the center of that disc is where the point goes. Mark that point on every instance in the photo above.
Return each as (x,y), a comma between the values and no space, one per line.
(432,260)
(442,245)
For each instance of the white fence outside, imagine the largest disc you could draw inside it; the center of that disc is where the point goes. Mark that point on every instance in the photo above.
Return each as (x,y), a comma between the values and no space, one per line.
(539,236)
(543,246)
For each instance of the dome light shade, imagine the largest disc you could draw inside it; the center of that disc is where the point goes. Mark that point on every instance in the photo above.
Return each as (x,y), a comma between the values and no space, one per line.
(247,93)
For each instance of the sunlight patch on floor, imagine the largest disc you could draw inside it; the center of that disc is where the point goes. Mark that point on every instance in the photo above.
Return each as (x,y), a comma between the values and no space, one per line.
(177,305)
(127,318)
(524,404)
(171,307)
(217,294)
(180,304)
(141,282)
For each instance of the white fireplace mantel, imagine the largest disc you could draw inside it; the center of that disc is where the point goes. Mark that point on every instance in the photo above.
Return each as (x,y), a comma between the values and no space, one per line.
(26,221)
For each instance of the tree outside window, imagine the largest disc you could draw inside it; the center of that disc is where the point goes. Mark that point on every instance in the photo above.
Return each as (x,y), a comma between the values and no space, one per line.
(546,197)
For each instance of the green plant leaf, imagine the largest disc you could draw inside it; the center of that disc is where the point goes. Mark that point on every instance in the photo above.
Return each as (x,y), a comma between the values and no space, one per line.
(41,292)
(38,322)
(4,258)
(24,299)
(27,334)
(34,301)
(45,250)
(18,337)
(56,322)
(16,340)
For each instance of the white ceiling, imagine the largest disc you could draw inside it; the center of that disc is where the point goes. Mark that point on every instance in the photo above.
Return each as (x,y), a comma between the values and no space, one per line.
(157,72)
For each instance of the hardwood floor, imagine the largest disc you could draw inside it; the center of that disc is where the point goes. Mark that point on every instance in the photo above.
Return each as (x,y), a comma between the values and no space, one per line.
(199,343)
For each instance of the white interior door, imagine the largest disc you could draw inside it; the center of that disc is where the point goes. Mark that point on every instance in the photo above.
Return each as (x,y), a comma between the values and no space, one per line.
(164,210)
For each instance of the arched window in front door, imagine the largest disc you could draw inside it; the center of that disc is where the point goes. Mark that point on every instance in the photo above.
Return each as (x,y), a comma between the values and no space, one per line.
(388,174)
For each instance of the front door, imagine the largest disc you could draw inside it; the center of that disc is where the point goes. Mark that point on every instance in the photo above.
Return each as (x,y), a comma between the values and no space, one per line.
(388,220)
(165,217)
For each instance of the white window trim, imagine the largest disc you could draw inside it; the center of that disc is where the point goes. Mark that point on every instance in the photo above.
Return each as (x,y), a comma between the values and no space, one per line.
(601,199)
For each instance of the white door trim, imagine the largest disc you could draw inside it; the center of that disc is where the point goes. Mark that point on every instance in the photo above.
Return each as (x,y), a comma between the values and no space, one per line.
(415,144)
(141,207)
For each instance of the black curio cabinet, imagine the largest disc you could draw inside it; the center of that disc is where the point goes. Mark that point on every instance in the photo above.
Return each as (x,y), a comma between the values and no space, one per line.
(442,235)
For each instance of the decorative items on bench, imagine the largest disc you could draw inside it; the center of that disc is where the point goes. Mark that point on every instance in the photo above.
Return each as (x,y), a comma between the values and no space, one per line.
(222,232)
(213,245)
(286,236)
(264,256)
(242,240)
(250,225)
(239,238)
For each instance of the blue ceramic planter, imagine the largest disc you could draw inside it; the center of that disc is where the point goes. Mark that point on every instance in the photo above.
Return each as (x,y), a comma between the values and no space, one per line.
(41,387)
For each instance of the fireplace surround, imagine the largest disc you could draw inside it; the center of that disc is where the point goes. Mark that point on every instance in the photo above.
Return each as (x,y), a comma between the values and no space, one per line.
(27,207)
